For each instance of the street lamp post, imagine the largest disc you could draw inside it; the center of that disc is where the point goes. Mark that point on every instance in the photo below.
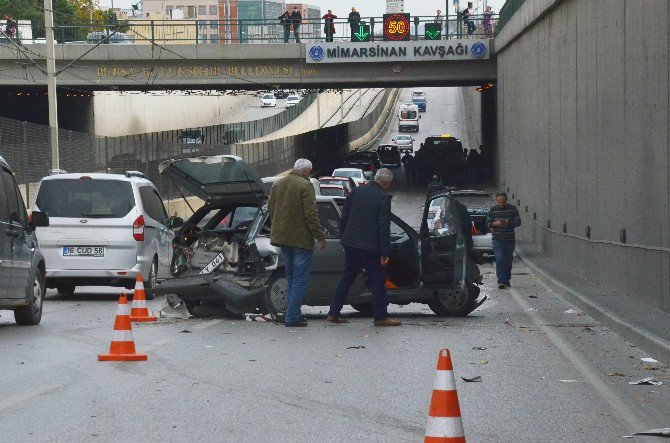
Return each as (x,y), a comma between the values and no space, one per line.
(51,83)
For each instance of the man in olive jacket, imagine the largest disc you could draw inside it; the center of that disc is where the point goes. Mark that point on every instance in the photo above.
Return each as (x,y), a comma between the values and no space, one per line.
(295,224)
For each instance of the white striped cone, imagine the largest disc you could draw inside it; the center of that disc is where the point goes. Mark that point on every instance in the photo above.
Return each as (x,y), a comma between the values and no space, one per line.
(123,345)
(140,312)
(444,417)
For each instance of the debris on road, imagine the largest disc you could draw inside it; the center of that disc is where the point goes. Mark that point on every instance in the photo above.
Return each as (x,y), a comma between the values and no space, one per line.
(476,379)
(255,317)
(662,432)
(569,381)
(356,347)
(479,348)
(530,310)
(648,360)
(532,296)
(646,381)
(616,374)
(572,311)
(185,331)
(174,307)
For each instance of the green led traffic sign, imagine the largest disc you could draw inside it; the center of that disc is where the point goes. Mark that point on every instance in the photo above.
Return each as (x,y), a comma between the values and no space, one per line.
(433,31)
(362,34)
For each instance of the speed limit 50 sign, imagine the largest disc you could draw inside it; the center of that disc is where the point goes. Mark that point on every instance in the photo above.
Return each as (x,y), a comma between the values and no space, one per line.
(396,27)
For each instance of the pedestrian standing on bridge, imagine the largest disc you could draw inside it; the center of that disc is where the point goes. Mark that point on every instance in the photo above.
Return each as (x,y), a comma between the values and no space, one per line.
(488,22)
(354,22)
(296,20)
(295,224)
(502,220)
(329,25)
(11,26)
(285,20)
(366,237)
(407,161)
(439,20)
(467,19)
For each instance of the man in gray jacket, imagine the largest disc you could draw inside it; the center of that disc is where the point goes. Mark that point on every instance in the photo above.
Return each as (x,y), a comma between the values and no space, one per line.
(366,237)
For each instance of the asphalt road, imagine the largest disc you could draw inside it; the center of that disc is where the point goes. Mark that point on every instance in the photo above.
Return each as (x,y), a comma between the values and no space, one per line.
(547,374)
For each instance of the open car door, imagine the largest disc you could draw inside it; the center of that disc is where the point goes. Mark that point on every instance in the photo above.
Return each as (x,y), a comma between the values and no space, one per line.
(443,248)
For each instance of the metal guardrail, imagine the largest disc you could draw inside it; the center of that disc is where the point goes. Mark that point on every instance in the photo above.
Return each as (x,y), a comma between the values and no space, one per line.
(506,12)
(226,31)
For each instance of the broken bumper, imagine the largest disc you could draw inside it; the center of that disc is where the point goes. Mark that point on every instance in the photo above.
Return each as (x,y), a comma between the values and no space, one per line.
(238,295)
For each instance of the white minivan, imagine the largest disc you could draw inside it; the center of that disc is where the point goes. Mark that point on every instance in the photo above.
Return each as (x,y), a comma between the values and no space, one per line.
(104,230)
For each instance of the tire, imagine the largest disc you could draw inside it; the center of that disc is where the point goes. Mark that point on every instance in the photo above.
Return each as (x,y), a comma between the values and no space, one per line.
(365,309)
(274,299)
(456,305)
(150,284)
(66,289)
(32,314)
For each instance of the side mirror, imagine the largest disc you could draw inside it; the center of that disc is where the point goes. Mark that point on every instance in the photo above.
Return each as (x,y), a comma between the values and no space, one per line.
(175,222)
(39,220)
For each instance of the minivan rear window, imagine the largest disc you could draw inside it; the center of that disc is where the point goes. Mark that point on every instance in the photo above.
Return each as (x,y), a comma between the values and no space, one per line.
(88,198)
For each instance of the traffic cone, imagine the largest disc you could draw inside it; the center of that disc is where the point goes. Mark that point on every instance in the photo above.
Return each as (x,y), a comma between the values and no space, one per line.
(123,346)
(444,418)
(139,311)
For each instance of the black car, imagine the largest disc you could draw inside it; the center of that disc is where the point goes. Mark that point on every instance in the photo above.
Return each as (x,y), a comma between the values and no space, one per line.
(22,267)
(280,93)
(389,156)
(368,161)
(223,254)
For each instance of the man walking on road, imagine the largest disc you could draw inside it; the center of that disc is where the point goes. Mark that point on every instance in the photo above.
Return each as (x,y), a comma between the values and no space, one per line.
(295,224)
(366,237)
(502,220)
(407,161)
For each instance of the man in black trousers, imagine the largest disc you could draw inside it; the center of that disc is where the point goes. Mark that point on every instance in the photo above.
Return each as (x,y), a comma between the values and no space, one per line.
(366,237)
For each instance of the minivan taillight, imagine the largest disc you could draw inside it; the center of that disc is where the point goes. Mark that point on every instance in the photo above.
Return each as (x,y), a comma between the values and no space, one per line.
(138,228)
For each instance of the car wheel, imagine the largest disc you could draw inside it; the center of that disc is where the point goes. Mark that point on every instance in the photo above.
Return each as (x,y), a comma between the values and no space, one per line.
(365,309)
(274,300)
(66,289)
(32,314)
(456,304)
(150,284)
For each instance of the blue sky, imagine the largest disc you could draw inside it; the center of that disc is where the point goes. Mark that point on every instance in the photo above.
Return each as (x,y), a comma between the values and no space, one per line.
(367,8)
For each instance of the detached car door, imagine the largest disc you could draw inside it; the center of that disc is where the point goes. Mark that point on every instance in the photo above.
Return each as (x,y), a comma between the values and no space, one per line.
(443,249)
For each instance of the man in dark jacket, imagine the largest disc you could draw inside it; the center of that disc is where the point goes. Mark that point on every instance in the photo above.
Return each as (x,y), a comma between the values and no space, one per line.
(285,20)
(295,224)
(296,20)
(407,161)
(366,237)
(502,220)
(435,186)
(354,22)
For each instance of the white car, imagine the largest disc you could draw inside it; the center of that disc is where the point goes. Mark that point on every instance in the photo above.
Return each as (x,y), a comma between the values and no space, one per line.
(104,230)
(478,204)
(268,100)
(292,100)
(405,143)
(357,174)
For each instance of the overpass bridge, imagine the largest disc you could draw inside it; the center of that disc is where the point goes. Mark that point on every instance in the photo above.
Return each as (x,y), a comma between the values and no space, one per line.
(254,66)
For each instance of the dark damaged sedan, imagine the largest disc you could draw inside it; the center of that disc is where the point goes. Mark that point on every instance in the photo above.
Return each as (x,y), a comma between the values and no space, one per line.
(223,254)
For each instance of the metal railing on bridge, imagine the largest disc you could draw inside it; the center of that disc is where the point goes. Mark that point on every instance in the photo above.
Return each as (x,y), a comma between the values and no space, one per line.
(257,31)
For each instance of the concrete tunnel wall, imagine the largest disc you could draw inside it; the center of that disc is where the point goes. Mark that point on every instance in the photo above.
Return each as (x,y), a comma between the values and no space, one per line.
(583,99)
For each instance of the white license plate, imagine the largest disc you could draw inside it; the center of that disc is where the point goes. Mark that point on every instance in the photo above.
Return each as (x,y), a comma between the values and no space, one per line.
(218,261)
(83,251)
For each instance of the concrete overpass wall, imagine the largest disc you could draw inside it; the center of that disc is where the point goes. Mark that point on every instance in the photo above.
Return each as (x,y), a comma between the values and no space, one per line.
(583,99)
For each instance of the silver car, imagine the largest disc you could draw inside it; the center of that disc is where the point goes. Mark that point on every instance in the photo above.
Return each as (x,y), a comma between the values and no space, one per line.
(405,143)
(223,254)
(104,230)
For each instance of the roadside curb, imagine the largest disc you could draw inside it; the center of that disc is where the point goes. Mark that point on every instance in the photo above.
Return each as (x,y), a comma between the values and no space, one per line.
(656,346)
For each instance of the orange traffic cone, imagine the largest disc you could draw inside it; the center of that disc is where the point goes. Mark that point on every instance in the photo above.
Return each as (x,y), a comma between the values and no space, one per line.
(123,346)
(139,311)
(444,418)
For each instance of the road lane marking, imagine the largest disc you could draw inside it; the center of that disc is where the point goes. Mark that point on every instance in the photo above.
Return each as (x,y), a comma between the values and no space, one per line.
(207,324)
(611,399)
(27,396)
